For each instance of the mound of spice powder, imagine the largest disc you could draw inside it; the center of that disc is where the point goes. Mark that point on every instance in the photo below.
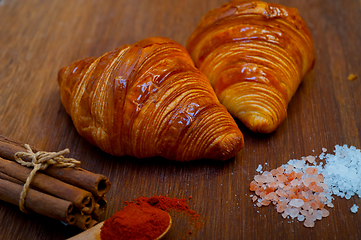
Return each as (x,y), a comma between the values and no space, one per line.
(137,222)
(167,204)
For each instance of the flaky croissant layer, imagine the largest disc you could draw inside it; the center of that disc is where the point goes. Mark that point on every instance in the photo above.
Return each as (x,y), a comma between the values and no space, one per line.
(148,99)
(255,55)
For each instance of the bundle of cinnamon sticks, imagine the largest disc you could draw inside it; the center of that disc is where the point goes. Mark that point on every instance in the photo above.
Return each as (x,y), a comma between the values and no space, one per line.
(72,195)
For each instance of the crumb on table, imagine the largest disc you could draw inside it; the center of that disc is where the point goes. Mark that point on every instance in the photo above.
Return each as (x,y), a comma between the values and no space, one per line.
(352,77)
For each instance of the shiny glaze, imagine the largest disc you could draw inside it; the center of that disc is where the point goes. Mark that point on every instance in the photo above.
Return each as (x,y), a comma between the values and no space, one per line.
(255,55)
(148,99)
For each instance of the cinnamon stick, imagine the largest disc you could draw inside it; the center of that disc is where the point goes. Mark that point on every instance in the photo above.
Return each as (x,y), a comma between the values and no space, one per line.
(82,221)
(99,208)
(97,184)
(55,186)
(89,207)
(38,202)
(11,179)
(79,197)
(92,223)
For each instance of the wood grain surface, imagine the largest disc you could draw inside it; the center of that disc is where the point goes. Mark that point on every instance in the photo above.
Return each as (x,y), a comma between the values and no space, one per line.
(38,37)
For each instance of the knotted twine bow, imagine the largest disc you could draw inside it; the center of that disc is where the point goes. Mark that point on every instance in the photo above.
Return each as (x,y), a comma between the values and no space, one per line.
(40,161)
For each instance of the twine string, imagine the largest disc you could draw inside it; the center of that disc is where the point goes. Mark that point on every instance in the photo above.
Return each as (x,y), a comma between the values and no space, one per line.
(40,161)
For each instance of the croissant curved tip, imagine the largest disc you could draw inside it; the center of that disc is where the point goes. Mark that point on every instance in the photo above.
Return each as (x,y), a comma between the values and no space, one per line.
(261,124)
(227,147)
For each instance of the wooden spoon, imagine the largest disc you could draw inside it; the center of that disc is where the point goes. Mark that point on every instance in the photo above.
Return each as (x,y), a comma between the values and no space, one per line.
(94,232)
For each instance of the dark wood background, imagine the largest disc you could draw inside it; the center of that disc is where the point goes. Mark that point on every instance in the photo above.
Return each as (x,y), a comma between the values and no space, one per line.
(38,37)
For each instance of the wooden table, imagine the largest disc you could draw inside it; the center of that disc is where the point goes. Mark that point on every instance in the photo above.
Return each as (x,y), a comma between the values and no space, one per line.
(38,37)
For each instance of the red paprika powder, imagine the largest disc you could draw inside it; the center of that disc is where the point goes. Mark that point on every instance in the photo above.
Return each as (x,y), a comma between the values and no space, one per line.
(167,204)
(138,221)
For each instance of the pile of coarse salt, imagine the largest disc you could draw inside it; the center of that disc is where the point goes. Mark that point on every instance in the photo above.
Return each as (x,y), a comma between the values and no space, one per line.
(301,189)
(342,171)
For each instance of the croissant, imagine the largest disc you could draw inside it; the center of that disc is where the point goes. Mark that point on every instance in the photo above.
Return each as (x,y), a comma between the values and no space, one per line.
(255,54)
(148,99)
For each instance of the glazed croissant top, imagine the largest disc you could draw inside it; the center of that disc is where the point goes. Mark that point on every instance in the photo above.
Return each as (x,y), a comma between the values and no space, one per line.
(148,99)
(255,55)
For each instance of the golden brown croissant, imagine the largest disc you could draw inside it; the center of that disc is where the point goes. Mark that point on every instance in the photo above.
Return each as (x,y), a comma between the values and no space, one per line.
(148,99)
(255,55)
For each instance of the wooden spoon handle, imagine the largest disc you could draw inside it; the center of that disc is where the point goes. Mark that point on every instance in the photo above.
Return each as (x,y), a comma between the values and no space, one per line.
(92,233)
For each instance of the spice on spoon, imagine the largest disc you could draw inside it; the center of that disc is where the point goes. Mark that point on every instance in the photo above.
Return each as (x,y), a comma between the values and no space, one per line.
(136,221)
(167,204)
(142,218)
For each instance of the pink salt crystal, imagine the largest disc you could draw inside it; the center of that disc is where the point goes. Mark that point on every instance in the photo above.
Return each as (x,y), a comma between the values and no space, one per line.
(281,170)
(304,212)
(293,212)
(281,178)
(272,196)
(270,179)
(254,198)
(294,182)
(314,205)
(308,223)
(324,149)
(308,194)
(319,178)
(296,202)
(311,197)
(306,206)
(265,202)
(308,180)
(310,211)
(318,214)
(260,178)
(267,174)
(311,171)
(299,175)
(314,187)
(287,188)
(263,194)
(323,185)
(310,159)
(305,194)
(284,214)
(259,191)
(281,193)
(289,168)
(285,200)
(325,212)
(281,207)
(253,186)
(312,215)
(274,172)
(291,175)
(273,184)
(322,197)
(330,204)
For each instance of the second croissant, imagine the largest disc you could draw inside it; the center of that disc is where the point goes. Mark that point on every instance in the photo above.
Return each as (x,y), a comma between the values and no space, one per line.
(255,55)
(148,99)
